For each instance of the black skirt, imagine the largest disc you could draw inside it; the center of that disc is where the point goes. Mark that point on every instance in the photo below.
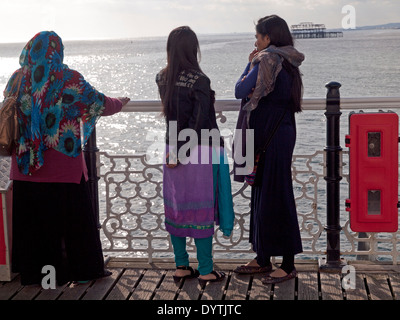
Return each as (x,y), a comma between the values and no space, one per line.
(54,224)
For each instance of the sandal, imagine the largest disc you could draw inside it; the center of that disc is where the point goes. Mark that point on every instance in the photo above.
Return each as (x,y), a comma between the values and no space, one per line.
(193,273)
(273,280)
(252,269)
(219,277)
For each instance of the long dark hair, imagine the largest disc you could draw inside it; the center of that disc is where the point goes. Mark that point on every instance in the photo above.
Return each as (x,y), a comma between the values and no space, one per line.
(183,53)
(278,31)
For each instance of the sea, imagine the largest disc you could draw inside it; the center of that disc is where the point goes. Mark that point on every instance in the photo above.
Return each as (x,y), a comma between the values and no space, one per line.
(365,62)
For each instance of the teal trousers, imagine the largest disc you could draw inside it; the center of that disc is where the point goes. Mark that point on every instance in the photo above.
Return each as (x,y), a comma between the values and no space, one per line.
(221,179)
(204,253)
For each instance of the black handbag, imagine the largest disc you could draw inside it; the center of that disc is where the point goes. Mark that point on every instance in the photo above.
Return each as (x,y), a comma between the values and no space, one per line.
(251,178)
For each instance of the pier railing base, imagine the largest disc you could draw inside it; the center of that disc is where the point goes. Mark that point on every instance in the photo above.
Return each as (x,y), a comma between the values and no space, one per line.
(331,267)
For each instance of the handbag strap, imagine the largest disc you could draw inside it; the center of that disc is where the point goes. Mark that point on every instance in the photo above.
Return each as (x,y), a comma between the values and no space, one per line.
(273,133)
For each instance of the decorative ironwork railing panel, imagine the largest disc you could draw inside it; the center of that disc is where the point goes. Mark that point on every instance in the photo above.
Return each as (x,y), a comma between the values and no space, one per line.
(132,206)
(134,221)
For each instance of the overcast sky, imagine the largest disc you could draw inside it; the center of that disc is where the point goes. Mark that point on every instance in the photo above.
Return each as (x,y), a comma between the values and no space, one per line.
(106,19)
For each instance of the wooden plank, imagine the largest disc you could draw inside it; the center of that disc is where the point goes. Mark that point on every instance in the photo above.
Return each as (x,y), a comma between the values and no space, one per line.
(28,292)
(285,290)
(215,290)
(219,264)
(378,287)
(147,285)
(51,294)
(190,291)
(125,285)
(102,286)
(395,283)
(168,288)
(364,266)
(331,286)
(8,289)
(359,292)
(307,286)
(238,287)
(74,291)
(259,291)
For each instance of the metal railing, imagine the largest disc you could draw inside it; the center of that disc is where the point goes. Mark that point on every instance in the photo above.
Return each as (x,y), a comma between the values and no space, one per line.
(132,213)
(127,195)
(308,104)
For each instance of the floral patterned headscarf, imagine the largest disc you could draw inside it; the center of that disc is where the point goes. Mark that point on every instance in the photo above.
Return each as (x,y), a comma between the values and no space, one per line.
(54,102)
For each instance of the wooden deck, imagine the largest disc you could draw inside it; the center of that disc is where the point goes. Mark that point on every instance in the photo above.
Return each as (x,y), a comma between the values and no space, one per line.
(139,280)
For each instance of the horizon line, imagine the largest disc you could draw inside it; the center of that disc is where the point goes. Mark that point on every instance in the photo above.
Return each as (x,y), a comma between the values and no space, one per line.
(199,34)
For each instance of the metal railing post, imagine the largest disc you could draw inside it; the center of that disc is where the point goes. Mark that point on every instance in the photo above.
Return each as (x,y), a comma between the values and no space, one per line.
(332,178)
(90,152)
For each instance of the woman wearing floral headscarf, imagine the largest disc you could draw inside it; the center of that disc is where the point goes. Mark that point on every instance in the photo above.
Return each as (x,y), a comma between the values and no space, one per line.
(53,221)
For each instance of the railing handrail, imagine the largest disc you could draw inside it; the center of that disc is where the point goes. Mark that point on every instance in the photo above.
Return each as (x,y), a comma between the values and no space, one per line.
(332,171)
(307,104)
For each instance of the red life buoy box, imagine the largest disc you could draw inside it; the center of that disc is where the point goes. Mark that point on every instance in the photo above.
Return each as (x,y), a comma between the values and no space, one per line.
(373,144)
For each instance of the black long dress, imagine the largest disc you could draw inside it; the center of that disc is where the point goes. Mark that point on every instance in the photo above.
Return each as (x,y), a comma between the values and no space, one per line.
(59,230)
(274,228)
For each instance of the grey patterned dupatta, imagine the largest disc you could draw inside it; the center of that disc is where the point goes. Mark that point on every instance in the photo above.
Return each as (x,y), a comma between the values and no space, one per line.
(270,64)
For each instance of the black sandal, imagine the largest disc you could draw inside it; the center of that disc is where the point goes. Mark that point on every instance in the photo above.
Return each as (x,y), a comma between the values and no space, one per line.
(193,273)
(219,277)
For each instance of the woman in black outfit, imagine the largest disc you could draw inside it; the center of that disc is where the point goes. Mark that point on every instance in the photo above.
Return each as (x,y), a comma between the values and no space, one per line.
(271,89)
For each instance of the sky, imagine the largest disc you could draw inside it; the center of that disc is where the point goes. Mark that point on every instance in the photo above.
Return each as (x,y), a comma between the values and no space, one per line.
(20,20)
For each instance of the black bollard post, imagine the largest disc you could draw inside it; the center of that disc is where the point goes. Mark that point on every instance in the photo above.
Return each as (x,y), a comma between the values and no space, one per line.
(90,151)
(332,262)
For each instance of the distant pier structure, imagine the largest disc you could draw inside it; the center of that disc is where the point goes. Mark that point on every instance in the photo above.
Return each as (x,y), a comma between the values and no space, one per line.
(308,30)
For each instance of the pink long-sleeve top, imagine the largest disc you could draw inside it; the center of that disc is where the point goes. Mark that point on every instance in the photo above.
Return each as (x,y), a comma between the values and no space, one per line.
(58,167)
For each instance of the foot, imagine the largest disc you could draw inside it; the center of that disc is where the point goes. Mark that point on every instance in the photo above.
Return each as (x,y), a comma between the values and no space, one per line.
(182,273)
(210,276)
(252,263)
(279,276)
(278,273)
(253,267)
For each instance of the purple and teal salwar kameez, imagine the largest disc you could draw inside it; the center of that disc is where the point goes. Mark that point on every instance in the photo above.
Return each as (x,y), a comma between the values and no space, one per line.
(197,196)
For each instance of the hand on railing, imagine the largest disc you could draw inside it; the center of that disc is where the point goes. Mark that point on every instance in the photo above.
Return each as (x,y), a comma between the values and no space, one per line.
(171,160)
(124,100)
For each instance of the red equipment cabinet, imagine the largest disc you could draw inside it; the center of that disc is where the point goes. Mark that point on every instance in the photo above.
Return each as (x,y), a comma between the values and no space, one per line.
(373,142)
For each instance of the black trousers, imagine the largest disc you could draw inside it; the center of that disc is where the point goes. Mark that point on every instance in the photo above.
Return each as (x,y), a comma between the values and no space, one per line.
(54,224)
